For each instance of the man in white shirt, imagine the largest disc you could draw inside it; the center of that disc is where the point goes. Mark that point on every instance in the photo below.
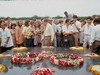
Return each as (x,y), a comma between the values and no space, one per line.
(81,35)
(68,33)
(48,33)
(76,28)
(68,16)
(54,29)
(95,35)
(59,34)
(87,31)
(6,42)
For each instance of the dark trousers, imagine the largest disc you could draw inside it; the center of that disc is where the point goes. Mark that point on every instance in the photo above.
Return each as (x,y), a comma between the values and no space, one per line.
(96,44)
(59,41)
(4,49)
(68,41)
(19,45)
(29,42)
(96,47)
(32,42)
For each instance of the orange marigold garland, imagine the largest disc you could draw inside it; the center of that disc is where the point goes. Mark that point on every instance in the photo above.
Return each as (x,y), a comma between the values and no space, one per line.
(95,69)
(77,48)
(2,67)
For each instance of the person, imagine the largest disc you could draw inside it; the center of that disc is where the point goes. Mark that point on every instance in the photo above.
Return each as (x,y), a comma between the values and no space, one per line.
(27,34)
(68,33)
(42,28)
(12,30)
(59,34)
(56,21)
(0,33)
(76,27)
(18,34)
(8,22)
(50,21)
(37,36)
(68,16)
(87,31)
(0,18)
(6,42)
(95,35)
(32,29)
(81,34)
(47,32)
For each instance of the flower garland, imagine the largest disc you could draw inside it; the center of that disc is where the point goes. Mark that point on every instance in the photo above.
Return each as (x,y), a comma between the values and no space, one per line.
(66,59)
(95,69)
(42,71)
(19,48)
(26,58)
(2,67)
(46,54)
(92,55)
(31,57)
(4,55)
(77,48)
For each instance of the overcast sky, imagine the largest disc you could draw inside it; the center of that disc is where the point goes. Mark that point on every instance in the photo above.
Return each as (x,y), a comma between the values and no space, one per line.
(29,8)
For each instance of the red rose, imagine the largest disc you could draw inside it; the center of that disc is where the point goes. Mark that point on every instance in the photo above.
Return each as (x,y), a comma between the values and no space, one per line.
(20,60)
(52,60)
(60,63)
(16,59)
(24,60)
(81,63)
(66,63)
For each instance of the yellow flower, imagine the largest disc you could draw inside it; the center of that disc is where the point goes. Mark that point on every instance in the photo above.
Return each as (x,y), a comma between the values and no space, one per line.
(2,68)
(93,71)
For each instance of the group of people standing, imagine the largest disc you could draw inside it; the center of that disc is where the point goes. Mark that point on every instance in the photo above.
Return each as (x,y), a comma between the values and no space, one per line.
(48,32)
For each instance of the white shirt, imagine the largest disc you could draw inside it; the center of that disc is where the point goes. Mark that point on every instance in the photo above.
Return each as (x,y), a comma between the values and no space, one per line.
(54,27)
(77,24)
(49,31)
(70,16)
(4,34)
(68,30)
(95,34)
(82,29)
(59,28)
(87,30)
